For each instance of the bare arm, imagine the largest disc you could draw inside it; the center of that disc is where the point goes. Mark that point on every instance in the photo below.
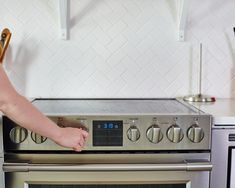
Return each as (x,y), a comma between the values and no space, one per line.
(21,111)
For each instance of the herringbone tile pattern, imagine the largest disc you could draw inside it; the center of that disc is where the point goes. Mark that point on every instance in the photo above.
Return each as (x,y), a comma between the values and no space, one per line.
(119,48)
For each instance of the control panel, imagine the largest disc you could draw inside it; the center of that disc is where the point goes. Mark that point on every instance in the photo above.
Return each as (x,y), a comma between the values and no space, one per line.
(107,133)
(120,133)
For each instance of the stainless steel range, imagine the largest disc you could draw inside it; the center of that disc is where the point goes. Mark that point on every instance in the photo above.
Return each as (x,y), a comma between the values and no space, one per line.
(162,142)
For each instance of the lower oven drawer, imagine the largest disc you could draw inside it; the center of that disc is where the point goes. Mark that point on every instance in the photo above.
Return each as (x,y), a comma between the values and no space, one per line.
(183,175)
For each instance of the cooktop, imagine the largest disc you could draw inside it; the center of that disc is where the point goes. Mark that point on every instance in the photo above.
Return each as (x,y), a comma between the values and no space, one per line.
(114,106)
(119,124)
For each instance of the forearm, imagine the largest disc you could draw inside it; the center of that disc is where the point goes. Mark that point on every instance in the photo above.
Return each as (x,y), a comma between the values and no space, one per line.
(25,114)
(21,111)
(17,108)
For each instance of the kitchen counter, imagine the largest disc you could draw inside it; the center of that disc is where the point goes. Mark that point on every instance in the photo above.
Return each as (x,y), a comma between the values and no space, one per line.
(222,110)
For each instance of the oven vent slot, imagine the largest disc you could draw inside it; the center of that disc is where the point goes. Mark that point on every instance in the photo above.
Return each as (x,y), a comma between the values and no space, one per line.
(231,137)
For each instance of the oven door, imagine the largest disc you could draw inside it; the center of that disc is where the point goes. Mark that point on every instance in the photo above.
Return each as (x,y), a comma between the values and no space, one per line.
(179,175)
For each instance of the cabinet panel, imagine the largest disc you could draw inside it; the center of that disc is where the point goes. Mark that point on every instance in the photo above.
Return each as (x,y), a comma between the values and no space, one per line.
(232,175)
(2,184)
(1,143)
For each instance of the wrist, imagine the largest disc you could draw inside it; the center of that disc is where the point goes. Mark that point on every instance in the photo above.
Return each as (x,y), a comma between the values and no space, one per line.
(57,134)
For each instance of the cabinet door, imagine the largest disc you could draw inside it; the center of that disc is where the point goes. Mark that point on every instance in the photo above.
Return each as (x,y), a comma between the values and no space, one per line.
(1,143)
(232,175)
(1,174)
(1,155)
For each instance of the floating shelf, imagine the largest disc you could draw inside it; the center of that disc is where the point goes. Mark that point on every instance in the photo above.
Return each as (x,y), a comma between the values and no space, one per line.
(182,18)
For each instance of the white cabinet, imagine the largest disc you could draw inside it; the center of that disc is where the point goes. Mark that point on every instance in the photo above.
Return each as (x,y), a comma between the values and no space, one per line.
(232,174)
(1,142)
(1,155)
(2,184)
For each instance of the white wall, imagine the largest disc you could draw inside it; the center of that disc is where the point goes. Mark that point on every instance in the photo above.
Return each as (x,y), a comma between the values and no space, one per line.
(119,48)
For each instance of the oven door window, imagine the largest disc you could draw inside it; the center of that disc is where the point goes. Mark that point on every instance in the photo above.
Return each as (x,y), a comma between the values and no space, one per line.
(112,186)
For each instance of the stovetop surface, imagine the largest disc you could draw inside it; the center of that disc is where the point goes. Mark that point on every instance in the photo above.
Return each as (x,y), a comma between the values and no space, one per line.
(119,125)
(114,106)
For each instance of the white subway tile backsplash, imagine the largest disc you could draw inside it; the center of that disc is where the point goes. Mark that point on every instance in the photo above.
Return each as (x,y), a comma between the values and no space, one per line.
(119,48)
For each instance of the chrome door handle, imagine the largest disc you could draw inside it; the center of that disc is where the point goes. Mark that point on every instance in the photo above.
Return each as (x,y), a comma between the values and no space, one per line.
(23,167)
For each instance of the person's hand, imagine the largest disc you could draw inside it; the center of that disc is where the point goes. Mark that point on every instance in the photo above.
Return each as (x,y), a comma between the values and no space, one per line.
(74,138)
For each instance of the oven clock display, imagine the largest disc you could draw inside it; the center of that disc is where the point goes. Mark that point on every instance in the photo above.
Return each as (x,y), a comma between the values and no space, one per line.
(107,133)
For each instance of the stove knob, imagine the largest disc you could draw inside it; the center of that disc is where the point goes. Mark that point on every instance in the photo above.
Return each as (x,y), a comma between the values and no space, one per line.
(195,133)
(154,134)
(133,134)
(38,139)
(18,135)
(175,133)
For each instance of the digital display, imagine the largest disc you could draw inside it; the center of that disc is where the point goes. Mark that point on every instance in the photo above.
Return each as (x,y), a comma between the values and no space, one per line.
(107,133)
(108,125)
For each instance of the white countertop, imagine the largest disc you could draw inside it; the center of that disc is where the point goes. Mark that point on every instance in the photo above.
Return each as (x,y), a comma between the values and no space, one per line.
(223,110)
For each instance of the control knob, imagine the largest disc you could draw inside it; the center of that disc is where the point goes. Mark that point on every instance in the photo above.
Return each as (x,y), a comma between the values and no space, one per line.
(133,133)
(38,139)
(195,133)
(154,134)
(18,134)
(175,133)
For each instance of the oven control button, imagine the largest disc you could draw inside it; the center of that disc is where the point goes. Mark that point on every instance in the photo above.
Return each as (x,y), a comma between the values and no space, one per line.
(133,133)
(38,139)
(18,134)
(195,133)
(175,133)
(154,134)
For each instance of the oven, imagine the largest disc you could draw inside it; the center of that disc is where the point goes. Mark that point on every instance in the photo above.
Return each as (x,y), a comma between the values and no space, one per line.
(141,170)
(132,143)
(223,156)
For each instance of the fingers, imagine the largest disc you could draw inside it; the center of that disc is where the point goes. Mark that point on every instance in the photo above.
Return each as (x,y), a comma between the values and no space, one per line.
(73,138)
(79,145)
(81,142)
(85,134)
(78,148)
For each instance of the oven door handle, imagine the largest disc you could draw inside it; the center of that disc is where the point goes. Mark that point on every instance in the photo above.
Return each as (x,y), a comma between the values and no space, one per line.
(26,167)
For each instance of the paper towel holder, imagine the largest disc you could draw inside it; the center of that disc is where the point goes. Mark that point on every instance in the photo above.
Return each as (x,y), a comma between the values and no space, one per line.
(199,97)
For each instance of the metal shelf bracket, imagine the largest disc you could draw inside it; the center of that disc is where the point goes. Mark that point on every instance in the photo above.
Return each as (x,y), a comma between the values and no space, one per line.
(182,18)
(63,14)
